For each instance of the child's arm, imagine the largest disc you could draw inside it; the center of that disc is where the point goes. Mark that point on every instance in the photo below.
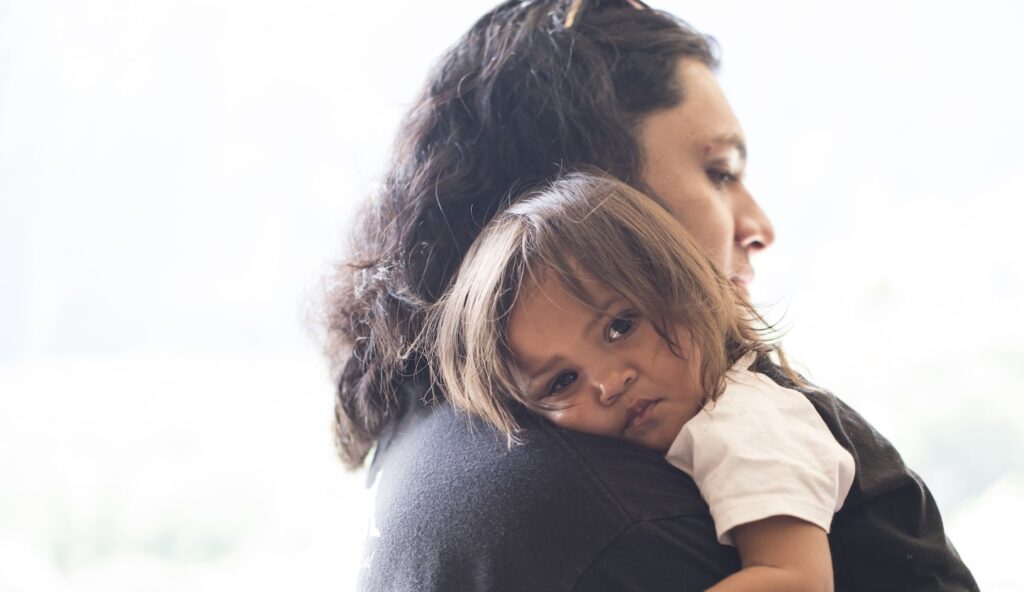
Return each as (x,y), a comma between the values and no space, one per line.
(780,553)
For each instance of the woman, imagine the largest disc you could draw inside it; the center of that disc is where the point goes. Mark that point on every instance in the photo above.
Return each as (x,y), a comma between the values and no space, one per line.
(535,89)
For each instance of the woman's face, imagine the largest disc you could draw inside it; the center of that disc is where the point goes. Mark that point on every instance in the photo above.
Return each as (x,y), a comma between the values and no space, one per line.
(694,160)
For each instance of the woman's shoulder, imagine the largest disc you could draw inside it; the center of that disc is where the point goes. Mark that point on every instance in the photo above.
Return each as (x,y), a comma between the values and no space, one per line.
(889,534)
(451,494)
(880,469)
(453,450)
(440,451)
(848,426)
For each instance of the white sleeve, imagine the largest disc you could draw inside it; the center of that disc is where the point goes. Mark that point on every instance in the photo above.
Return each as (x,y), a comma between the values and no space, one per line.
(761,450)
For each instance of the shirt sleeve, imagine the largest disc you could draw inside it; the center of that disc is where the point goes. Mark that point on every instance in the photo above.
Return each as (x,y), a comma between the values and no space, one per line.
(761,450)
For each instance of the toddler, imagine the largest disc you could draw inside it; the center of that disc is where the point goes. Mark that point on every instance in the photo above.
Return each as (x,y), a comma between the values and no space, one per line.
(588,304)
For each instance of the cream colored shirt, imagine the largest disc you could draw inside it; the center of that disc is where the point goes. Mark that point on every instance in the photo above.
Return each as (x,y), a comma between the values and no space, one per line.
(761,450)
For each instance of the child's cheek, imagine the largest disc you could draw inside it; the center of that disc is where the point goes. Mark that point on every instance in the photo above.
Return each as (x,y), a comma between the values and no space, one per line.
(581,418)
(562,419)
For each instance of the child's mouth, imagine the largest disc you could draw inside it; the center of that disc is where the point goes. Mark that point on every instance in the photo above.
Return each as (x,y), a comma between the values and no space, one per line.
(638,412)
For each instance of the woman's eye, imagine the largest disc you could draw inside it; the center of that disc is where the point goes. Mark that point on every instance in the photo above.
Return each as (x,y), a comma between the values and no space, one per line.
(620,327)
(561,382)
(721,177)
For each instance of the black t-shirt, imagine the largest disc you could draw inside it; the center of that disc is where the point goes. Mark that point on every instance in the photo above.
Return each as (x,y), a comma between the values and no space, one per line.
(457,510)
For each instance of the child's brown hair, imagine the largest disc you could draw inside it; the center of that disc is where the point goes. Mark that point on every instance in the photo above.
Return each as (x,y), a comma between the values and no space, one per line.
(581,225)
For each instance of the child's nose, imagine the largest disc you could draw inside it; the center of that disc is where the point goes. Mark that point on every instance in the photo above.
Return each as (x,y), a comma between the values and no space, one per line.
(614,383)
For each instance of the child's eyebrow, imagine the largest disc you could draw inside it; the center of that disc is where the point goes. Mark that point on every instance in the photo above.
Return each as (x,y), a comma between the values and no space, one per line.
(552,362)
(600,311)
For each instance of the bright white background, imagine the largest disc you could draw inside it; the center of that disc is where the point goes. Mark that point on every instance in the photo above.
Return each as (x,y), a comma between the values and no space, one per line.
(176,175)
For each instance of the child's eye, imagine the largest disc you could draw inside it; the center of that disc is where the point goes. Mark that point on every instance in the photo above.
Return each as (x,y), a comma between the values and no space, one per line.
(562,382)
(620,327)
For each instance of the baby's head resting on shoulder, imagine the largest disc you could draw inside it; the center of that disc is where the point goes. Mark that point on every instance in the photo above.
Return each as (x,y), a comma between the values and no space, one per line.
(586,302)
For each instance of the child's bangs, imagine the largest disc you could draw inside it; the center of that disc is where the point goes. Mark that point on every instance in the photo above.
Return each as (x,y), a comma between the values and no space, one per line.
(622,244)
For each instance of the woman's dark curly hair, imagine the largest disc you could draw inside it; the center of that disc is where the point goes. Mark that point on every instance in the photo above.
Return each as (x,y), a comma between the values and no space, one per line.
(518,101)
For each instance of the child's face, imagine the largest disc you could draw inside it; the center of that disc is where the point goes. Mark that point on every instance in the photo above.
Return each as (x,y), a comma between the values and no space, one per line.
(608,370)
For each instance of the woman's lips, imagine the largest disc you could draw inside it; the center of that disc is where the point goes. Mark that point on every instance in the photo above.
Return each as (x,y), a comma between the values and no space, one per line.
(742,280)
(638,412)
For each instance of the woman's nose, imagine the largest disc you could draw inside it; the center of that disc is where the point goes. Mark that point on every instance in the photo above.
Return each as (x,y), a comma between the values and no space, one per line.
(614,382)
(754,230)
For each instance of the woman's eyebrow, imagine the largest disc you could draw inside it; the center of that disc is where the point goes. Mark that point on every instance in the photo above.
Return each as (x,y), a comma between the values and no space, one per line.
(730,140)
